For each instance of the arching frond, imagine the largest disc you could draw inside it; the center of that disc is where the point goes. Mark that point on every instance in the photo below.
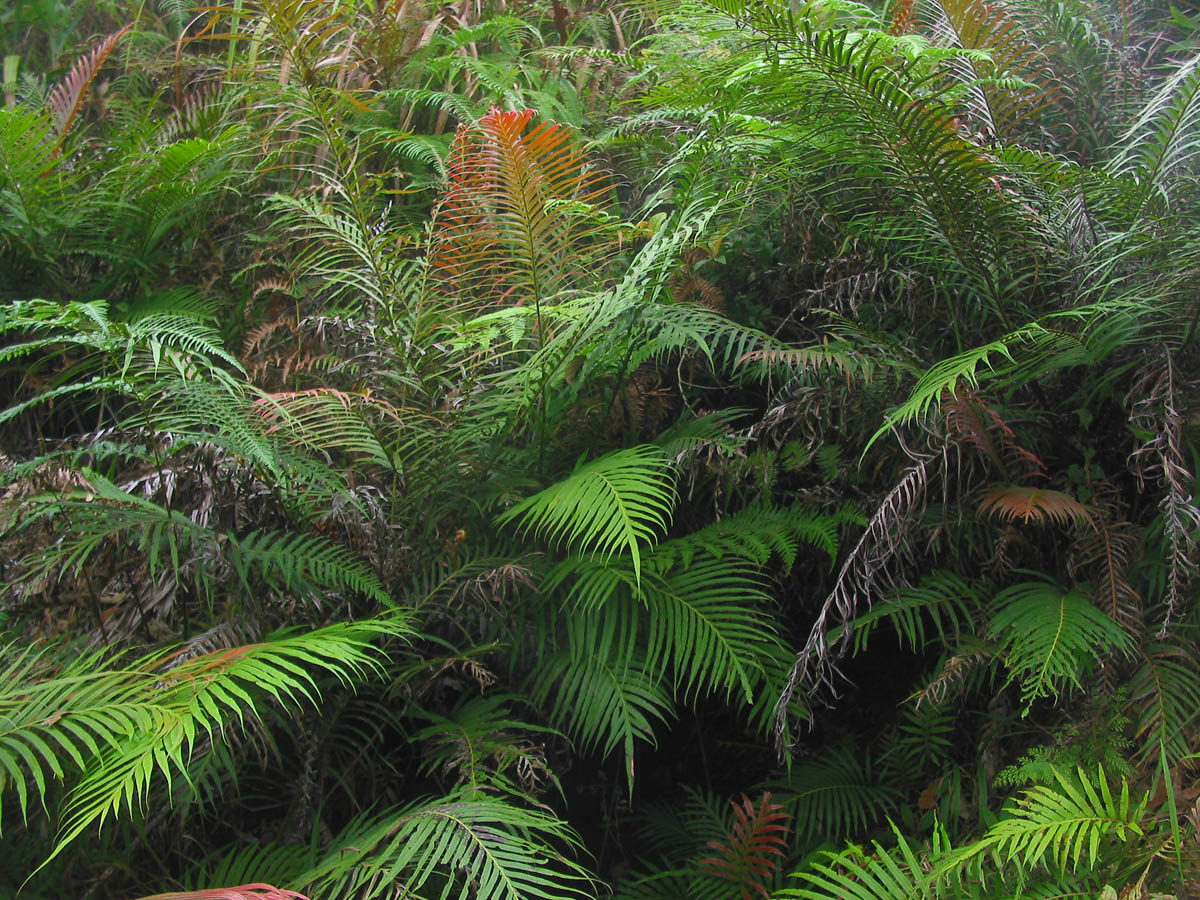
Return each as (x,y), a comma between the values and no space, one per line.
(466,846)
(941,600)
(1164,141)
(620,502)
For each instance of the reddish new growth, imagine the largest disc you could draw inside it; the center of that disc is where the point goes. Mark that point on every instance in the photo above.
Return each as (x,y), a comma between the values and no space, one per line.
(902,18)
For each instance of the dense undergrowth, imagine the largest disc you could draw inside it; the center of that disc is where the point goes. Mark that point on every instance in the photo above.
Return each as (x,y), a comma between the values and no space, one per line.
(682,449)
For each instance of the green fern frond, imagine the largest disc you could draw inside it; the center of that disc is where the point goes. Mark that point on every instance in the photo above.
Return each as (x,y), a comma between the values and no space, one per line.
(1050,637)
(1164,140)
(1062,825)
(757,533)
(883,874)
(606,702)
(465,846)
(1164,699)
(836,795)
(620,502)
(942,599)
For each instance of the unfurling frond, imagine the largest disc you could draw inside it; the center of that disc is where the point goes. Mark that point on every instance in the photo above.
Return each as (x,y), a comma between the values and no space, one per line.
(618,503)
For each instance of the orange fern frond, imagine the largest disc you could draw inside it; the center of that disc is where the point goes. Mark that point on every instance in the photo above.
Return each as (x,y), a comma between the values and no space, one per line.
(1010,502)
(517,217)
(971,421)
(67,96)
(754,848)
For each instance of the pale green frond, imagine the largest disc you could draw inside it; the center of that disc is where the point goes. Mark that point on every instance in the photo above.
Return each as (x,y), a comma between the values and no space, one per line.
(1164,141)
(1064,825)
(197,699)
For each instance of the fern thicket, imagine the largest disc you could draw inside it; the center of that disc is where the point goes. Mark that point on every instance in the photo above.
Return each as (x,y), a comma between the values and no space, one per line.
(737,449)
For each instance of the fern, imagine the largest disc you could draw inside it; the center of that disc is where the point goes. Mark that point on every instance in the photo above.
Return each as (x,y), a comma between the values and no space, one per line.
(617,503)
(465,845)
(942,600)
(749,856)
(836,795)
(1061,825)
(606,701)
(1050,637)
(128,729)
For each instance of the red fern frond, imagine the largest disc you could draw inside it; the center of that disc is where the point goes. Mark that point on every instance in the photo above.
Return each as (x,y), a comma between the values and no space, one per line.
(970,421)
(67,96)
(1010,502)
(241,892)
(754,848)
(517,216)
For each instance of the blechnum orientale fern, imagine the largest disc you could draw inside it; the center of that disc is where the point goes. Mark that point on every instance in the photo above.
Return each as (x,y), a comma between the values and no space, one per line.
(789,492)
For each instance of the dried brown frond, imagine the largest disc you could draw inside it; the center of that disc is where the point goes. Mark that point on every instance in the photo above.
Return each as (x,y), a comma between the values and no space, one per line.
(953,676)
(1156,408)
(866,563)
(1102,554)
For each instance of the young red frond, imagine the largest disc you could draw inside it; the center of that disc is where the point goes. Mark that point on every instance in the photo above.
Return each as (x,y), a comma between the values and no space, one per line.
(518,213)
(754,847)
(241,892)
(973,422)
(1010,502)
(66,98)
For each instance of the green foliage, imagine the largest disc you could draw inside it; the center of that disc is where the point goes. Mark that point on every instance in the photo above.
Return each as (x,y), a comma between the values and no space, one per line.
(1050,637)
(618,502)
